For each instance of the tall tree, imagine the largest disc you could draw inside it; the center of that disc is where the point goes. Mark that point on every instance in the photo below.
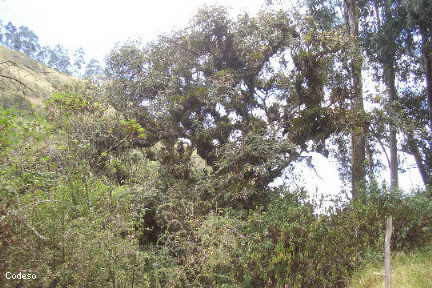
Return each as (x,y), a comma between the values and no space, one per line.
(420,12)
(78,61)
(388,62)
(358,135)
(28,41)
(10,35)
(419,140)
(92,69)
(382,42)
(23,39)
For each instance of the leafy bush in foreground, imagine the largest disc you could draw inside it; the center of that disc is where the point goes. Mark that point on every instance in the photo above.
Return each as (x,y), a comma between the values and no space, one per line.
(287,245)
(76,225)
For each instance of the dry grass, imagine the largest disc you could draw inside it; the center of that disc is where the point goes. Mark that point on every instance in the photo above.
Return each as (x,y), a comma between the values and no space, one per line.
(35,81)
(409,270)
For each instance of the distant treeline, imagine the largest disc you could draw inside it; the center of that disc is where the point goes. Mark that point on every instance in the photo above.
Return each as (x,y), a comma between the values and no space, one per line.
(74,63)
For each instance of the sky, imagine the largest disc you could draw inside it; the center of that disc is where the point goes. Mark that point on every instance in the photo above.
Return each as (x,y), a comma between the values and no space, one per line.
(97,25)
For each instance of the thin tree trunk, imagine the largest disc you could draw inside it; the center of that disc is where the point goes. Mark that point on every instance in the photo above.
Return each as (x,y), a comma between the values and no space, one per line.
(412,145)
(427,57)
(389,78)
(358,172)
(394,176)
(370,161)
(387,61)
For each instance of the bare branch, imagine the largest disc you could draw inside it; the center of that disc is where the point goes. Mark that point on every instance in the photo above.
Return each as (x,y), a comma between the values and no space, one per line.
(14,79)
(12,63)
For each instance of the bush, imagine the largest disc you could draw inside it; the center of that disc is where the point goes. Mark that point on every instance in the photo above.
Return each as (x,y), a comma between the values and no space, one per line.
(6,125)
(287,245)
(149,217)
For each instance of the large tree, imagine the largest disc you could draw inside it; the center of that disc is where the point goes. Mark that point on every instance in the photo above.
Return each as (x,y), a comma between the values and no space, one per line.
(383,40)
(331,15)
(247,94)
(358,135)
(420,22)
(419,12)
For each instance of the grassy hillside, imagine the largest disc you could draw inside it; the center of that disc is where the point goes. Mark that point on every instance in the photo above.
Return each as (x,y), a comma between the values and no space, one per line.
(24,81)
(409,270)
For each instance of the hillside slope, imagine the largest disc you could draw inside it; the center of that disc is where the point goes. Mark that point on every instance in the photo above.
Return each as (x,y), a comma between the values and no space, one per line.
(24,80)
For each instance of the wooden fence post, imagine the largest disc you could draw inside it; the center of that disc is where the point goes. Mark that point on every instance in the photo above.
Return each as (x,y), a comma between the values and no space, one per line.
(387,256)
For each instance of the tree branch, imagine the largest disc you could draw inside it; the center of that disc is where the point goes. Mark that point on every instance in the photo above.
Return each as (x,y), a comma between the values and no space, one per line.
(13,78)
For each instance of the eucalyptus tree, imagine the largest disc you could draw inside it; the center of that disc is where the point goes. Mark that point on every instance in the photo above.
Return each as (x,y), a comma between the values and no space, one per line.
(420,23)
(25,40)
(419,13)
(400,45)
(346,15)
(78,61)
(358,135)
(384,35)
(19,38)
(93,68)
(397,38)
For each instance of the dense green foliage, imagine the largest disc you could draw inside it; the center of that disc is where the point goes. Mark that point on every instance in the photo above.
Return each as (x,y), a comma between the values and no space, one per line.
(83,208)
(167,174)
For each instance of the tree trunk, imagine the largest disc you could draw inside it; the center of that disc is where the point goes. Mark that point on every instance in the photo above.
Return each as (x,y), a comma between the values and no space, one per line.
(358,172)
(394,176)
(412,145)
(389,79)
(427,58)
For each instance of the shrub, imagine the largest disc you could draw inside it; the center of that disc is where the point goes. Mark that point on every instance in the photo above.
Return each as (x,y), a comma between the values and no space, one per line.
(288,246)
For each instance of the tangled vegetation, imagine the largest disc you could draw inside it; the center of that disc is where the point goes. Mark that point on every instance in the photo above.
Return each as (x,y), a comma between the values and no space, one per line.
(164,175)
(82,207)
